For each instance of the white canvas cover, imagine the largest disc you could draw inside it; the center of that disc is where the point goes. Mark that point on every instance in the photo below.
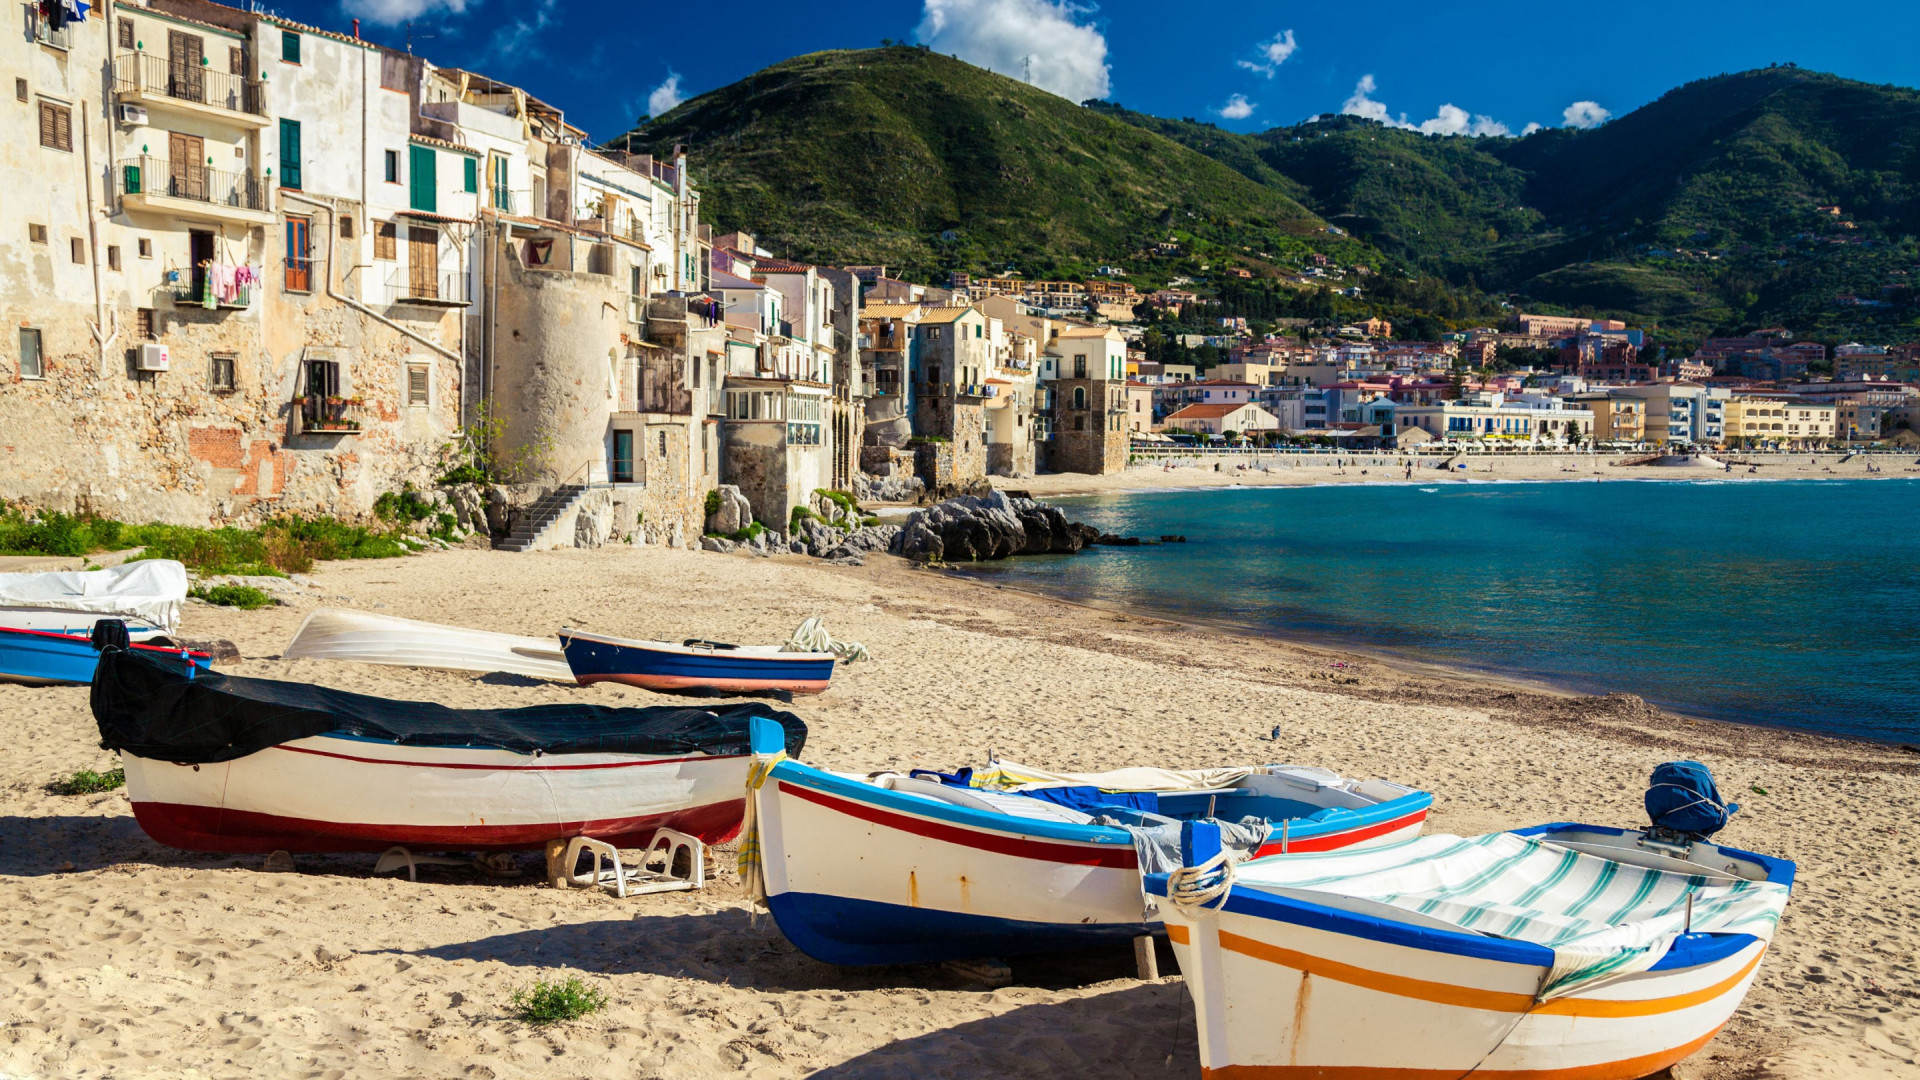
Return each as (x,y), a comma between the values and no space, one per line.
(1601,918)
(150,590)
(337,634)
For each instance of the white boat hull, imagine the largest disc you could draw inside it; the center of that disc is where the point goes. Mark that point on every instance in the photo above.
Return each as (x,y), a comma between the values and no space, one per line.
(335,634)
(337,793)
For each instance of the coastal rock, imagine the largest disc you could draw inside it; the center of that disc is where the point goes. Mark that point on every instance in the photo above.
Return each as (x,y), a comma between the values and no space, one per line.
(593,523)
(733,514)
(797,547)
(871,538)
(991,526)
(499,510)
(469,507)
(891,489)
(845,556)
(716,543)
(820,537)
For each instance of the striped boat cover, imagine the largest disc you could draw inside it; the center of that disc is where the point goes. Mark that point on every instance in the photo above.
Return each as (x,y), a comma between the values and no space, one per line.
(1601,918)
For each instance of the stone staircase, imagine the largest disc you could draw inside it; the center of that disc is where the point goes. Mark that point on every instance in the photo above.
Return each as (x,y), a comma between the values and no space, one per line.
(532,524)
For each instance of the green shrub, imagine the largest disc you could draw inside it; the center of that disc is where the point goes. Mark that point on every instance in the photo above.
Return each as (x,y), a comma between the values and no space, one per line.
(275,549)
(713,502)
(800,514)
(88,782)
(244,597)
(869,521)
(555,1001)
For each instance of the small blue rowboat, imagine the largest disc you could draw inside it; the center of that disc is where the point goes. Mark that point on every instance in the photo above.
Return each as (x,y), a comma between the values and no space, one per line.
(694,665)
(42,657)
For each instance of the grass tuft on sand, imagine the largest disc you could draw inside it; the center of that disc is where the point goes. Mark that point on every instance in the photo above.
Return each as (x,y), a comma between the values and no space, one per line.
(553,1001)
(88,782)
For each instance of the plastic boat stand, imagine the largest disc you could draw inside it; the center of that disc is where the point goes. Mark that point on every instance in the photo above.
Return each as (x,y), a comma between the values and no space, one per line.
(396,857)
(676,851)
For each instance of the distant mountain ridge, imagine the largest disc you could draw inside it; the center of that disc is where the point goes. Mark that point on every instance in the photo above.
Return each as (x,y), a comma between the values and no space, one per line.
(1708,210)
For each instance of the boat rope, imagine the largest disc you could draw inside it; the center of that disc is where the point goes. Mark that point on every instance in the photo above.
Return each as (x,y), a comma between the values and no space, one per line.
(750,862)
(1203,886)
(812,637)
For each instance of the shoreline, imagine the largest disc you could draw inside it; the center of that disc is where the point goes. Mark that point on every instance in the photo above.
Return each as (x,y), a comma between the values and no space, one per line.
(123,950)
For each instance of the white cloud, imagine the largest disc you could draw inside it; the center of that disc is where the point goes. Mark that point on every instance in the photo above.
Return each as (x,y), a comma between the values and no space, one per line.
(516,39)
(1585,114)
(1042,41)
(1530,129)
(1236,108)
(666,96)
(1449,119)
(394,12)
(1272,54)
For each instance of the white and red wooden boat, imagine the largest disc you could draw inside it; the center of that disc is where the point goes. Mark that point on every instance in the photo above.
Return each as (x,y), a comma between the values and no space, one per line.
(216,763)
(891,869)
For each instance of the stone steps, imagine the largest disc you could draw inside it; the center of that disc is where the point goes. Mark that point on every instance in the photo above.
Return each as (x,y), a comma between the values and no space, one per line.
(533,523)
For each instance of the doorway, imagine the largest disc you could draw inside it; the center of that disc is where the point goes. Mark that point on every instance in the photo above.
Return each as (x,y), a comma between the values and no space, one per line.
(622,467)
(199,257)
(186,166)
(423,262)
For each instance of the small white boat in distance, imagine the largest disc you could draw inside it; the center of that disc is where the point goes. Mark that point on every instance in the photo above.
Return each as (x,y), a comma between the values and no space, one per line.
(339,634)
(147,595)
(1571,952)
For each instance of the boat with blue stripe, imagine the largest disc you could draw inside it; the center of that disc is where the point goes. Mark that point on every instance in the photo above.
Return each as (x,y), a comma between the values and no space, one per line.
(44,657)
(694,665)
(913,868)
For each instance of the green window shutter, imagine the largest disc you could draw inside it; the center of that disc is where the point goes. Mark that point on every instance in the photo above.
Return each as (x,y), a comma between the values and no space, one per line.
(473,175)
(290,154)
(289,46)
(424,188)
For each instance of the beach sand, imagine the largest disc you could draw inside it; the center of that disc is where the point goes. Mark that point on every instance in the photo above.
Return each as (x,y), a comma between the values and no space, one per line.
(125,959)
(1299,470)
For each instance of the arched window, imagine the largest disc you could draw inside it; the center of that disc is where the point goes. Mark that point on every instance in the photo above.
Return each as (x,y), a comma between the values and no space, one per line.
(1079,397)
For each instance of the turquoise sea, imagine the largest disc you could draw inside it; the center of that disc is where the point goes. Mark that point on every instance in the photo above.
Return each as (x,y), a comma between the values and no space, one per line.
(1789,603)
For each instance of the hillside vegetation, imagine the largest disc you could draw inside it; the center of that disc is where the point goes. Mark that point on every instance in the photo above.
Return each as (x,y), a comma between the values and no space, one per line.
(1695,214)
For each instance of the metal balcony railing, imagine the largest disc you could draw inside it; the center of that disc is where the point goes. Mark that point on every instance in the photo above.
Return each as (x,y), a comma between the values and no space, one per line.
(199,84)
(195,295)
(503,198)
(147,175)
(327,414)
(447,288)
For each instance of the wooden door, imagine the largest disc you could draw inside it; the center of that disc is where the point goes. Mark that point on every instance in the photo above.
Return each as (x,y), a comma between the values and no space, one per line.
(186,166)
(185,77)
(423,261)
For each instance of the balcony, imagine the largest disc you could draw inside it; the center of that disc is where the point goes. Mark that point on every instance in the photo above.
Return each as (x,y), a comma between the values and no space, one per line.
(45,34)
(142,78)
(194,294)
(327,415)
(504,199)
(977,390)
(192,191)
(441,290)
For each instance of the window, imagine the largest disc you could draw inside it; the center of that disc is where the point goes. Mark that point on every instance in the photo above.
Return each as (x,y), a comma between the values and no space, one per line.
(933,332)
(1079,397)
(32,366)
(220,372)
(143,325)
(346,226)
(417,384)
(386,240)
(299,255)
(20,89)
(146,248)
(236,61)
(36,234)
(125,30)
(472,175)
(113,257)
(424,193)
(56,127)
(393,166)
(79,248)
(289,46)
(290,154)
(663,444)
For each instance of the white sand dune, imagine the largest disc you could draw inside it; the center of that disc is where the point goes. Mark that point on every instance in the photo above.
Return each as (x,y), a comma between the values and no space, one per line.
(121,958)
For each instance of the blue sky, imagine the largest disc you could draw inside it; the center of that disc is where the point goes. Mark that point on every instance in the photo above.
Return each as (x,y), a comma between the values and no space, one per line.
(1487,67)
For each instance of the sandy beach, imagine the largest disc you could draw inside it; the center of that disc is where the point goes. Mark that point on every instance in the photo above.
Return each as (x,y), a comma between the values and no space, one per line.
(1299,470)
(125,959)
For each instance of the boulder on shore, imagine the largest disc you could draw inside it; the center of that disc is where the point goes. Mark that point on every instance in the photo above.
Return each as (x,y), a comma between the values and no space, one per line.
(992,526)
(732,514)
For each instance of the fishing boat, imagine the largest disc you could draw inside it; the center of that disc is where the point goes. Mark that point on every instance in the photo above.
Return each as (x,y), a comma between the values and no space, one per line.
(45,657)
(363,637)
(694,664)
(1557,951)
(147,595)
(226,764)
(892,868)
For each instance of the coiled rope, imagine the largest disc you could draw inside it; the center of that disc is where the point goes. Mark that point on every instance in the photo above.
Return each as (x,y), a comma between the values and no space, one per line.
(1203,886)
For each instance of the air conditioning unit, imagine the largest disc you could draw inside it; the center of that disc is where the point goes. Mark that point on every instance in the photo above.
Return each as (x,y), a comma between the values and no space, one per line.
(152,357)
(133,114)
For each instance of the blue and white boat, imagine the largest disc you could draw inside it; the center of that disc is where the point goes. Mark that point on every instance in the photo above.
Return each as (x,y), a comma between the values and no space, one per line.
(43,657)
(146,595)
(891,868)
(694,665)
(1574,952)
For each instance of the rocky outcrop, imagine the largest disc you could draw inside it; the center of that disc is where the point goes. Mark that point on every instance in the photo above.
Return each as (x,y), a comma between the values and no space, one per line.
(889,489)
(733,512)
(593,521)
(716,543)
(993,526)
(469,505)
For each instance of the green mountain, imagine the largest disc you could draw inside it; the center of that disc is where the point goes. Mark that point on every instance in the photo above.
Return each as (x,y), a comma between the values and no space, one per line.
(902,156)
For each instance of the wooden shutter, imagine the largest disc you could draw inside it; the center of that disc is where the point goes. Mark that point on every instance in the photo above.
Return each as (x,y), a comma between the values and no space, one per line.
(416,386)
(290,154)
(236,61)
(184,55)
(186,166)
(423,261)
(424,186)
(125,28)
(385,240)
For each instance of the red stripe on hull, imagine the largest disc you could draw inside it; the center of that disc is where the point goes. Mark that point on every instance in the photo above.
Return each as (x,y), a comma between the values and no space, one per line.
(1118,857)
(244,832)
(696,682)
(1336,841)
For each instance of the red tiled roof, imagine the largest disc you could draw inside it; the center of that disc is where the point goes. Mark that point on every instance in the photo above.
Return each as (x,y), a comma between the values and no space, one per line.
(1208,412)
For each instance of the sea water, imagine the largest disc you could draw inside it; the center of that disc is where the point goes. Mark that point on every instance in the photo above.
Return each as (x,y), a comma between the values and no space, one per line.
(1789,603)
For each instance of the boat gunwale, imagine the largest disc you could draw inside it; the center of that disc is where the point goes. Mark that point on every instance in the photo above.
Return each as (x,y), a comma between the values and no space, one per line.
(807,776)
(171,650)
